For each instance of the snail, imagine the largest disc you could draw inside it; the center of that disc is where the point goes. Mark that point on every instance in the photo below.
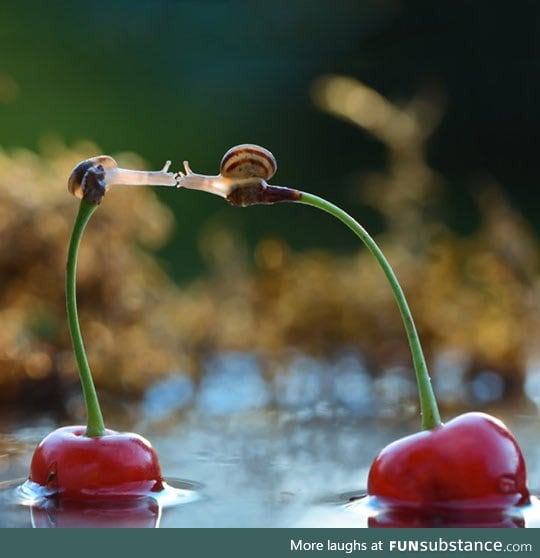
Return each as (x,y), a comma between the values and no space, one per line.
(90,179)
(242,181)
(248,161)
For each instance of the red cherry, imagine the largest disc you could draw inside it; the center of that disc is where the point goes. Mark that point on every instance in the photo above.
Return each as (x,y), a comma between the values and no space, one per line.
(472,461)
(116,465)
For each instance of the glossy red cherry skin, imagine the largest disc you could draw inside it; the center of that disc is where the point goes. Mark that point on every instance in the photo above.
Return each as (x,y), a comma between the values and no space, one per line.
(471,461)
(117,465)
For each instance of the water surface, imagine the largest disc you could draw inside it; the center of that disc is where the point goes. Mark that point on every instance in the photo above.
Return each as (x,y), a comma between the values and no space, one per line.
(261,467)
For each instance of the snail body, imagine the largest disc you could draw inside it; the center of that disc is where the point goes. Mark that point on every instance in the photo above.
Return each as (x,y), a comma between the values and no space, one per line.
(91,179)
(242,181)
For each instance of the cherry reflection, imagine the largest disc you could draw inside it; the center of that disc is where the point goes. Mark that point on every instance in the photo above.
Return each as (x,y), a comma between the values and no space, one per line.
(59,513)
(501,519)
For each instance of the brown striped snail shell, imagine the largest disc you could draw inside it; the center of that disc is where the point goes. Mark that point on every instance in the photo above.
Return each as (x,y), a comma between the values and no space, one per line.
(242,180)
(248,161)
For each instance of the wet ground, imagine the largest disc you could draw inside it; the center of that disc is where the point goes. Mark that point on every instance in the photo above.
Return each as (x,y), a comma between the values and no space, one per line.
(243,449)
(265,467)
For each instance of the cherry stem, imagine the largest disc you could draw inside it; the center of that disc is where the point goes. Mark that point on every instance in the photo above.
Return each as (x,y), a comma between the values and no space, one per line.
(428,403)
(95,426)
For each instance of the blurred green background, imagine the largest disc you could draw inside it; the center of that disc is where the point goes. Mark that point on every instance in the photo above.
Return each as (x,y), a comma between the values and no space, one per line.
(188,79)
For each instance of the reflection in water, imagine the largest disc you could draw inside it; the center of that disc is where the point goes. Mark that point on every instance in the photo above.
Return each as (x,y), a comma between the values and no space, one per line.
(46,511)
(353,512)
(142,513)
(456,518)
(380,515)
(280,467)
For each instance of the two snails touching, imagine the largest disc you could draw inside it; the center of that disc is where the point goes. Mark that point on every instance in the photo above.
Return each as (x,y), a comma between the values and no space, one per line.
(240,166)
(242,180)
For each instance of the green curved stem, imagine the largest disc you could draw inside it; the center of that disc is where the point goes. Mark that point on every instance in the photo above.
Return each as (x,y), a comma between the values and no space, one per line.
(95,425)
(428,404)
